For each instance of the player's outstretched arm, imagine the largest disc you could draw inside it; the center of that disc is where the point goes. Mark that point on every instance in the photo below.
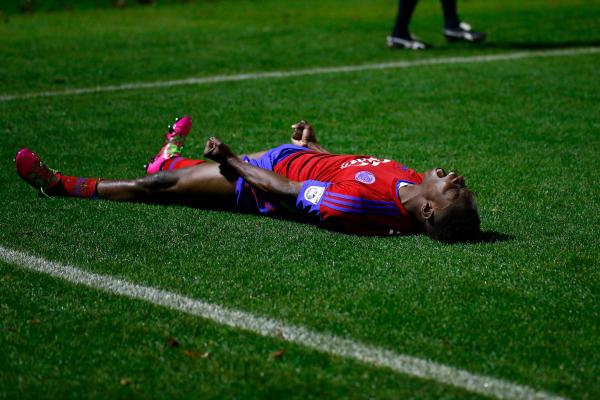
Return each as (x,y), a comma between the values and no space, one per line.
(259,178)
(303,135)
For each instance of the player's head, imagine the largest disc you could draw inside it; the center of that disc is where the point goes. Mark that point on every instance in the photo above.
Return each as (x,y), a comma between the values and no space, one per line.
(449,209)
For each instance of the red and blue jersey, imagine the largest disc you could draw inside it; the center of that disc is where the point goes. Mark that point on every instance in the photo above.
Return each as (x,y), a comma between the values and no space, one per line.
(356,194)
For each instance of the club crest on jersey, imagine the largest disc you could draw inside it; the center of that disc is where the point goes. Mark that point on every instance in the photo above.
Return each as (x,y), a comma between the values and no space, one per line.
(365,177)
(363,162)
(313,194)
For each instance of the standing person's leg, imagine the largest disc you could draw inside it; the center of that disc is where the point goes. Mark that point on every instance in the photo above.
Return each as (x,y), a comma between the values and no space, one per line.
(405,12)
(451,20)
(401,37)
(454,30)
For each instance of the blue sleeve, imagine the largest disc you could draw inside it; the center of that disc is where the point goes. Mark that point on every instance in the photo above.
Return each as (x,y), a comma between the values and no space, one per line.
(310,197)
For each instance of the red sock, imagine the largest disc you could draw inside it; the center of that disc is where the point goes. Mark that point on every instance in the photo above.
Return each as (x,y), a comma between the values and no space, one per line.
(179,162)
(78,187)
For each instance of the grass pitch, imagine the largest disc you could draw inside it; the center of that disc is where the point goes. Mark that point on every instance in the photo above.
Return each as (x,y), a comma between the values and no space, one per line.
(525,133)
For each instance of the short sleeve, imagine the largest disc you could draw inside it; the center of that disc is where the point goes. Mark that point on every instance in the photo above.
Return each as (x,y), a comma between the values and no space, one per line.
(310,197)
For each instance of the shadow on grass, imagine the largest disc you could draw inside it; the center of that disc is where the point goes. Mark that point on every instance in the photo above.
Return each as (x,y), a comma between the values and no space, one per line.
(540,45)
(483,237)
(569,44)
(492,237)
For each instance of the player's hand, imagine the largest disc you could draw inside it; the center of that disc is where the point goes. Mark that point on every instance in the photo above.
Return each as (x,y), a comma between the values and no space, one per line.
(217,150)
(303,134)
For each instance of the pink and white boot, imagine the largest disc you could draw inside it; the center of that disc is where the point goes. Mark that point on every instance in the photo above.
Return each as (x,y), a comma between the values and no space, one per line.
(173,146)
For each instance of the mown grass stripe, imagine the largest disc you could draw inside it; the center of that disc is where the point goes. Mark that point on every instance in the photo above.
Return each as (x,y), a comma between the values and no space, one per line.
(322,342)
(303,72)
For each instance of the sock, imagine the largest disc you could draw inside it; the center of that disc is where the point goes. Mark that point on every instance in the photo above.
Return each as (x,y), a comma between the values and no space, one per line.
(405,12)
(451,20)
(75,186)
(175,163)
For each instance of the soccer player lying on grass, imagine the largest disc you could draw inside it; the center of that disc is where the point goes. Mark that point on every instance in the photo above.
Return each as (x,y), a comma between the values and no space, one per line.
(351,193)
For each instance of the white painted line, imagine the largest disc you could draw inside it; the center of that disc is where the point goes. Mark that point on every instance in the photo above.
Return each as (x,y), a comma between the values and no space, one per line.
(322,342)
(303,72)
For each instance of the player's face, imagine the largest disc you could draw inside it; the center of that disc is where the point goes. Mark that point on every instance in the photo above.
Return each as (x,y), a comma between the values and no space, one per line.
(443,188)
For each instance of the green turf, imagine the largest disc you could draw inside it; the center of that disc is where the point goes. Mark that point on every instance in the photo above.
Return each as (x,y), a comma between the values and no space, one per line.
(525,133)
(114,46)
(13,7)
(61,353)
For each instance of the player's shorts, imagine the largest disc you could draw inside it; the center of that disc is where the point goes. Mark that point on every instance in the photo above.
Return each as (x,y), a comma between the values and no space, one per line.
(253,201)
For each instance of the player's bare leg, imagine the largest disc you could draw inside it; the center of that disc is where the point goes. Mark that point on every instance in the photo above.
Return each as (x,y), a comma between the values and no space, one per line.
(207,184)
(171,178)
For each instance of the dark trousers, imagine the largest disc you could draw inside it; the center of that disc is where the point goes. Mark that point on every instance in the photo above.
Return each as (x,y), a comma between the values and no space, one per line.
(405,12)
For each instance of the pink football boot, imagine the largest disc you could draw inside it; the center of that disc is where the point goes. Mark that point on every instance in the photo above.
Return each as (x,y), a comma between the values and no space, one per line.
(174,142)
(35,172)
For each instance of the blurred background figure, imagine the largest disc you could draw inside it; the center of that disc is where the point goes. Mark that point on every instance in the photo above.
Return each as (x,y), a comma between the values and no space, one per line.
(454,29)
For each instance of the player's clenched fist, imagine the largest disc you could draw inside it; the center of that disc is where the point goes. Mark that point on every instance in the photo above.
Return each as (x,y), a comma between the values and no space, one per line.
(217,150)
(303,134)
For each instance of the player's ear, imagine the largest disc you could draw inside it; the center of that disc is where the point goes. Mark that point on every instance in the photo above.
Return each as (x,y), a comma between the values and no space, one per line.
(427,210)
